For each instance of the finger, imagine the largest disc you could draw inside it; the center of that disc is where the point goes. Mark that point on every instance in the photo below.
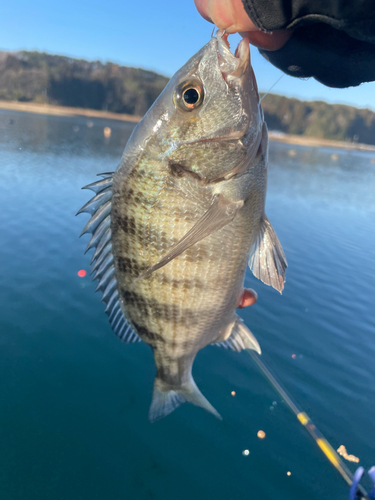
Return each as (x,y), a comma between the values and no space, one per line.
(226,14)
(231,16)
(268,41)
(249,297)
(202,8)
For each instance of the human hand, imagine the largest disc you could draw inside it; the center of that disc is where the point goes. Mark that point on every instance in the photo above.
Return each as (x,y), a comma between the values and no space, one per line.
(332,42)
(230,15)
(249,297)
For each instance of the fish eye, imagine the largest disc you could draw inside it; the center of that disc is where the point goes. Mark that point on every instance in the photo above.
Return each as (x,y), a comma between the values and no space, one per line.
(189,95)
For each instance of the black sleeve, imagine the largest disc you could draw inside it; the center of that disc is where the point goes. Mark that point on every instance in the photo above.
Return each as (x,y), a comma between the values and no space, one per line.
(333,41)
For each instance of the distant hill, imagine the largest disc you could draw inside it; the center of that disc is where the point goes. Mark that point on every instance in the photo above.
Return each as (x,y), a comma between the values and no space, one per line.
(319,119)
(44,78)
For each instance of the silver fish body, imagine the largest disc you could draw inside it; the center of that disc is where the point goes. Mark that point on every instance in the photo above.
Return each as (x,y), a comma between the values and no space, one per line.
(177,223)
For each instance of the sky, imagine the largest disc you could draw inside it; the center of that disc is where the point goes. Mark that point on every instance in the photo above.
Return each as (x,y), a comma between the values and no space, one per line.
(160,36)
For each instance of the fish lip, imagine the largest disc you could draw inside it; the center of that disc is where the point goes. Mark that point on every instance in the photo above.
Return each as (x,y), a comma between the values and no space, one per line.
(232,66)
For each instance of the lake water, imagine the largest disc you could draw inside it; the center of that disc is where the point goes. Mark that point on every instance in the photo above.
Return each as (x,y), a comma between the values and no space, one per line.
(74,400)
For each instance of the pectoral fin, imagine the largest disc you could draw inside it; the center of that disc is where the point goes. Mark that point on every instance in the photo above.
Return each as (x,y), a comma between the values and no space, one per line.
(220,213)
(267,260)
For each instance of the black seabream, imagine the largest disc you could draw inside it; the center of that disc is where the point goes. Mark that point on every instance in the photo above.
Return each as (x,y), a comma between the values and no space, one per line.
(177,223)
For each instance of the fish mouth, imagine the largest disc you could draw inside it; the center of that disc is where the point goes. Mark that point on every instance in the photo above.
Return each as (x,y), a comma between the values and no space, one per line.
(232,66)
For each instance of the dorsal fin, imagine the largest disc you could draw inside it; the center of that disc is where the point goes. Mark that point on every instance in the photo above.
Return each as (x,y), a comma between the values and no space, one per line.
(99,225)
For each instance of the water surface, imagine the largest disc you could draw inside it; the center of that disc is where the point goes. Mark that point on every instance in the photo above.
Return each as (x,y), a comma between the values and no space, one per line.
(74,399)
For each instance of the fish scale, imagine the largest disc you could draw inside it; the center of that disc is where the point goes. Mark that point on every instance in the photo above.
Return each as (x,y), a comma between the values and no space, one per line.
(175,226)
(169,325)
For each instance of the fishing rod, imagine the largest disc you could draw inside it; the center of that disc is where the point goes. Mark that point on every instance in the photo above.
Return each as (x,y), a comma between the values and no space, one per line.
(321,441)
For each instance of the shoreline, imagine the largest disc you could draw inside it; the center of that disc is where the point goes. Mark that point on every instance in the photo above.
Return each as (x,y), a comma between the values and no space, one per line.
(302,140)
(49,109)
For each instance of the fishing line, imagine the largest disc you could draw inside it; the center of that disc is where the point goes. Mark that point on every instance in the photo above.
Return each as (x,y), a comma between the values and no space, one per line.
(269,90)
(308,424)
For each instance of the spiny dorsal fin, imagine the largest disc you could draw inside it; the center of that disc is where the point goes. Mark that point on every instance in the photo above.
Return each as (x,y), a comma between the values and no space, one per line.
(99,186)
(99,226)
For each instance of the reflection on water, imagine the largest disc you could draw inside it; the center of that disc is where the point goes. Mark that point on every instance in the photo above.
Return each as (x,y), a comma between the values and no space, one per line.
(74,400)
(346,182)
(78,136)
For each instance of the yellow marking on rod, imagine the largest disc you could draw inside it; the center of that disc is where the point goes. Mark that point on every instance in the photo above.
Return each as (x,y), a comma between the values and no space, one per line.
(303,418)
(328,451)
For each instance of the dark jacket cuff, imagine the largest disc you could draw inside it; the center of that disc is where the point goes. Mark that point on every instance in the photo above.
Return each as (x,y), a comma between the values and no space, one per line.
(330,56)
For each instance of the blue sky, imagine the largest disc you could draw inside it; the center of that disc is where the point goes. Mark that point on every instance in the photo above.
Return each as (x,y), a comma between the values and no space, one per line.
(155,35)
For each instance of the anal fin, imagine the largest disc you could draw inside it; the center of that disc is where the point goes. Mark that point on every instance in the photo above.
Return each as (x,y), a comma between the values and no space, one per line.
(240,338)
(267,259)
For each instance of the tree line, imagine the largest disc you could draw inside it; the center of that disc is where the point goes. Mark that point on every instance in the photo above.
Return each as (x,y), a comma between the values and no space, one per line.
(64,81)
(45,78)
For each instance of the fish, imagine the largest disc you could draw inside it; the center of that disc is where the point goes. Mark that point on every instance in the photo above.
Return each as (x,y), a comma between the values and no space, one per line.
(175,226)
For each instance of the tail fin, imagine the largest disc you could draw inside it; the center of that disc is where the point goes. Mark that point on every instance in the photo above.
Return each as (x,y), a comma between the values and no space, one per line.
(163,403)
(164,400)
